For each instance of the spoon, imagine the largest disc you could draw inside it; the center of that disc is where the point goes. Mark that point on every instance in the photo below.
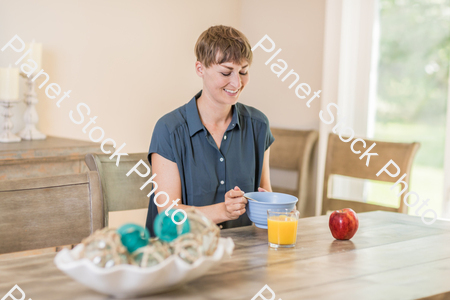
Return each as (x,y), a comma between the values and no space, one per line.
(250,199)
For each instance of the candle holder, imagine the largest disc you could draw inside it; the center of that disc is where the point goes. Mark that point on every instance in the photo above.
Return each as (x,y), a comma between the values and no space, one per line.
(7,136)
(30,115)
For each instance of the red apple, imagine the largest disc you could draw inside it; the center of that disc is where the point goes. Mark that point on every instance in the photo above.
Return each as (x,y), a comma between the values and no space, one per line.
(343,223)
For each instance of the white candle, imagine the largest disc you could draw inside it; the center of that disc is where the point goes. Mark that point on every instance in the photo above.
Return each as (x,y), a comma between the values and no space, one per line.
(35,54)
(9,84)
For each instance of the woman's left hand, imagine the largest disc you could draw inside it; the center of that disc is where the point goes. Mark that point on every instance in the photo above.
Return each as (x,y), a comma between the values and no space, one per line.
(260,189)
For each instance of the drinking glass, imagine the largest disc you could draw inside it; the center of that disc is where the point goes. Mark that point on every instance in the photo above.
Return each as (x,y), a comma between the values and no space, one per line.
(282,227)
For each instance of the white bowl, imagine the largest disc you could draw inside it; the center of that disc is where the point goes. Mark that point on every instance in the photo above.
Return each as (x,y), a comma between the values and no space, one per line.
(124,281)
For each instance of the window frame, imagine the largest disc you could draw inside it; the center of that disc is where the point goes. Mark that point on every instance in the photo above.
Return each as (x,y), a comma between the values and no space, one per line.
(351,83)
(351,27)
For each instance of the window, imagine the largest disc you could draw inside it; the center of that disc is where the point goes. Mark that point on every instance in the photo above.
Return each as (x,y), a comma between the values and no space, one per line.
(412,92)
(390,77)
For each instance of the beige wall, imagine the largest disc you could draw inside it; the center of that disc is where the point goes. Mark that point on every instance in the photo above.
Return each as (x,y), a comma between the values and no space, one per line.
(133,61)
(297,27)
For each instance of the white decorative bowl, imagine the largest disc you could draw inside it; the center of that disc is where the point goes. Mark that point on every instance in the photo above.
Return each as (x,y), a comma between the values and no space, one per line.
(124,281)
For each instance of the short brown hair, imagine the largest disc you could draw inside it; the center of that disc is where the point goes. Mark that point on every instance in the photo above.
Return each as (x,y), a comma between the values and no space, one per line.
(219,44)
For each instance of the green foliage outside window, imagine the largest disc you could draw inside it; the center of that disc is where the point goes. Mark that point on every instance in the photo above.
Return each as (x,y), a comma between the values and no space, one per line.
(413,74)
(412,91)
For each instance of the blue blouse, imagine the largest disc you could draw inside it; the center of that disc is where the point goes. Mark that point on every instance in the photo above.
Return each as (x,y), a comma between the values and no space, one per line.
(207,172)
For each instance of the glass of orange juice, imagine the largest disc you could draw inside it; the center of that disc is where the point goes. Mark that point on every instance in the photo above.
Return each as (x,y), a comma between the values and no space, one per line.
(282,227)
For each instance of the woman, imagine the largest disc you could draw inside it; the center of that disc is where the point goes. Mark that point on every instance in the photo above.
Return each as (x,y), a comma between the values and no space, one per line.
(211,150)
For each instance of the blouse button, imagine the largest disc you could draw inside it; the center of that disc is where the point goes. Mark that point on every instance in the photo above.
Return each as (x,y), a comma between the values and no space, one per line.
(221,159)
(222,182)
(225,137)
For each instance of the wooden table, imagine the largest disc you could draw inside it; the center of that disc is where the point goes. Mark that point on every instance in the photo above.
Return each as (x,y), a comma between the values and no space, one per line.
(392,256)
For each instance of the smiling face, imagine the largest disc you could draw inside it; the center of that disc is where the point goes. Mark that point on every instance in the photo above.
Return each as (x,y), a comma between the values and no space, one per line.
(223,83)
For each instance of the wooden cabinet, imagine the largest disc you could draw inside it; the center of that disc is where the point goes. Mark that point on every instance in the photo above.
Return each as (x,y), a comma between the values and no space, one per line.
(49,157)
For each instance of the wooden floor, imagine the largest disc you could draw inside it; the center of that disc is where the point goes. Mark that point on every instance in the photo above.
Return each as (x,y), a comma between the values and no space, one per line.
(392,256)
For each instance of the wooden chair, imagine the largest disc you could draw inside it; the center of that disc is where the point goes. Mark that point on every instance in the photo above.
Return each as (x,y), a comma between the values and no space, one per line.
(120,192)
(342,161)
(46,212)
(292,151)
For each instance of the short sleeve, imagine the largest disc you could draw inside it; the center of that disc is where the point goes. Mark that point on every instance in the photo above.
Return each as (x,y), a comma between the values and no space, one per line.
(161,142)
(269,137)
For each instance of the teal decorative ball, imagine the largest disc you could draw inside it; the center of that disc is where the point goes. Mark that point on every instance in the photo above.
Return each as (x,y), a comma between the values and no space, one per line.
(166,230)
(133,236)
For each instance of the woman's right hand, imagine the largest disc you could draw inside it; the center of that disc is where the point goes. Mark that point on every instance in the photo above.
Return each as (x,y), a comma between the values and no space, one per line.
(234,203)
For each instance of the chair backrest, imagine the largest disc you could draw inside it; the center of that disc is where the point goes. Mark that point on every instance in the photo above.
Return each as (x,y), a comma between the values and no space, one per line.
(48,212)
(292,151)
(342,161)
(119,192)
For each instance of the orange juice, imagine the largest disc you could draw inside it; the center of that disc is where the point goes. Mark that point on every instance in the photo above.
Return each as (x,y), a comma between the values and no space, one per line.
(282,230)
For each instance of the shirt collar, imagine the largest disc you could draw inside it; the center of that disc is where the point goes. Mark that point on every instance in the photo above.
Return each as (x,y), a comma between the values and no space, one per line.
(193,118)
(234,118)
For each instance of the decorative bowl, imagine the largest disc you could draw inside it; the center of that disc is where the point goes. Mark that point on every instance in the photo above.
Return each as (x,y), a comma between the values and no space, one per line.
(257,211)
(127,281)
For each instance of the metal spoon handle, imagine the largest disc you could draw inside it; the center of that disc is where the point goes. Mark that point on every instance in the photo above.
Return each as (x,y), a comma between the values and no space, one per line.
(249,198)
